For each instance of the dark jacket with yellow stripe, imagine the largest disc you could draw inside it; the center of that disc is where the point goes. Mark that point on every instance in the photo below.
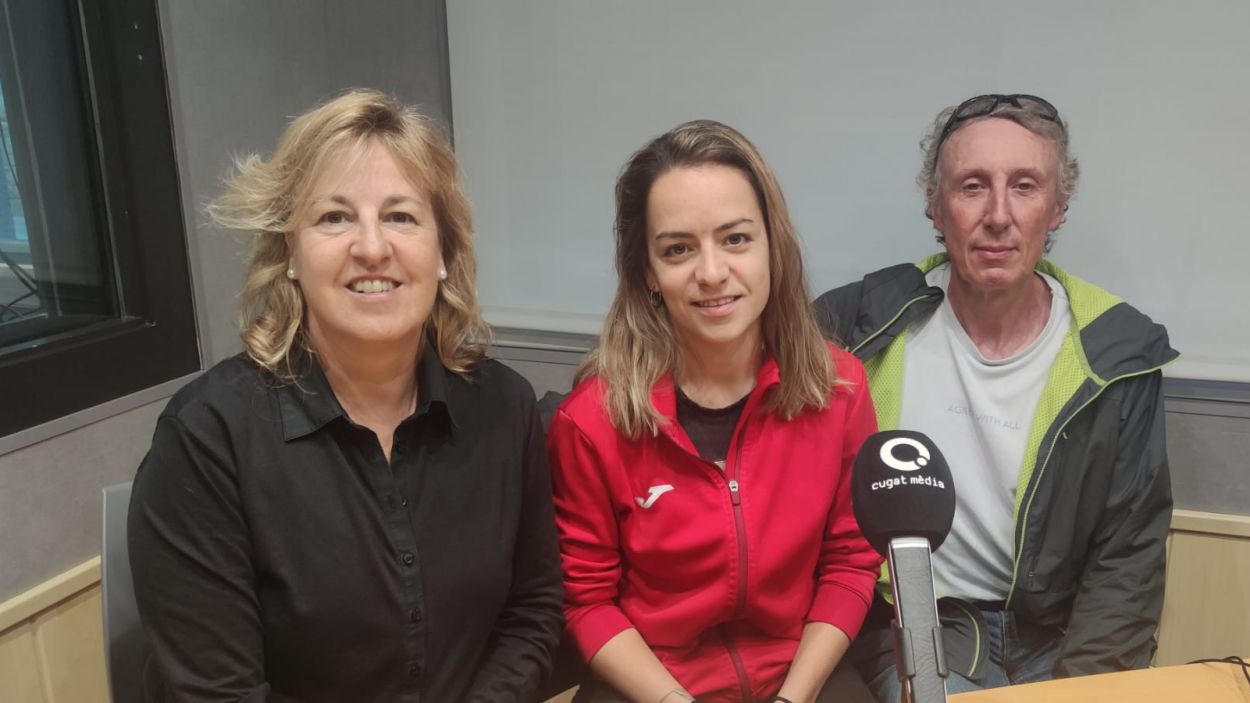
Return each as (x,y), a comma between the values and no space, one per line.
(1094,499)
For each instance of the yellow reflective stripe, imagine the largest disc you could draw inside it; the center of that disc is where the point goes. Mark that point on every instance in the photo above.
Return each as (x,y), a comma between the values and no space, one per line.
(1015,566)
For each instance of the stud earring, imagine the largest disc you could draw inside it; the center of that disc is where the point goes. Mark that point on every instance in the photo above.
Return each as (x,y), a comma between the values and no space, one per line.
(442,273)
(656,299)
(290,273)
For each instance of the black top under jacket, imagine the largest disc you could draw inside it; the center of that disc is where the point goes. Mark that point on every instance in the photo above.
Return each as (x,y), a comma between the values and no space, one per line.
(711,430)
(278,557)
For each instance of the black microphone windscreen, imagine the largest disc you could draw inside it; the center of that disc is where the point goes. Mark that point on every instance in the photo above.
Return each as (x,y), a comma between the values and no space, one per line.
(902,487)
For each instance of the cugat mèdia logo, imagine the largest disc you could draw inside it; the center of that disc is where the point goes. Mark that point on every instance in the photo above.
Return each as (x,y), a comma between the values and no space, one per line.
(908,456)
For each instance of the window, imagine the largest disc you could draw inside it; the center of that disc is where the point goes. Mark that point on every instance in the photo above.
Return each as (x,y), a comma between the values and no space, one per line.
(95,297)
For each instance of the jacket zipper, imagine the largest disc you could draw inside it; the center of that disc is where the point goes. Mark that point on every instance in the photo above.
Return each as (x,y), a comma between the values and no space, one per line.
(1024,513)
(740,604)
(735,498)
(739,668)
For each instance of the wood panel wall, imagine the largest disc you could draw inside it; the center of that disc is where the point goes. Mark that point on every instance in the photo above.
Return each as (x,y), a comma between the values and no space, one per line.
(1206,612)
(52,641)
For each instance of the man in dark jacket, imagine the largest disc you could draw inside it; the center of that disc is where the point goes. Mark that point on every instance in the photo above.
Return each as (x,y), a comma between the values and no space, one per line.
(1043,392)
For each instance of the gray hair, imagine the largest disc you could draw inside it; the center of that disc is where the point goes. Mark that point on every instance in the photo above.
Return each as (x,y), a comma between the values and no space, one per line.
(930,178)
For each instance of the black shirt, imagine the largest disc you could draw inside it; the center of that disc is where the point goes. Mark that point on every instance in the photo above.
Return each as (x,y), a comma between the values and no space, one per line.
(278,557)
(710,429)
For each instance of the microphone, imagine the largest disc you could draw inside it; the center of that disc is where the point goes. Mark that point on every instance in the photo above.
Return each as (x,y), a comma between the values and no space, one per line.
(904,500)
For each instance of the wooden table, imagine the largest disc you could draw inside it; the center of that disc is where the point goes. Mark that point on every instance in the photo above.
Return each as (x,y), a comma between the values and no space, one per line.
(1207,683)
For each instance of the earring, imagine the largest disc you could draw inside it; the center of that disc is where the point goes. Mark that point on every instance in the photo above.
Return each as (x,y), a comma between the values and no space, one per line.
(656,299)
(290,273)
(442,273)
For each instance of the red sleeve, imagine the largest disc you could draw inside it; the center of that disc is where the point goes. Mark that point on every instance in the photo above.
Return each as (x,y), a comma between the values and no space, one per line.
(589,540)
(848,566)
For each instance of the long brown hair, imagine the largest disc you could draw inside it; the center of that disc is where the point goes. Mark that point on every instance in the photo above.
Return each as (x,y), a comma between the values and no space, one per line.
(638,346)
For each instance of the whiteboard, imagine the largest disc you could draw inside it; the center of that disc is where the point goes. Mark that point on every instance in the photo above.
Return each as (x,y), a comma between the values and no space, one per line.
(550,97)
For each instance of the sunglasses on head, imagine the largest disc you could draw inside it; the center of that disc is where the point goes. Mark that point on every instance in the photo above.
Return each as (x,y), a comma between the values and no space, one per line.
(983,105)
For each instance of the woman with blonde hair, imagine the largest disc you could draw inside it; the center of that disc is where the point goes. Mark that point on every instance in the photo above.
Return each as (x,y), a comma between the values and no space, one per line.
(356,507)
(701,467)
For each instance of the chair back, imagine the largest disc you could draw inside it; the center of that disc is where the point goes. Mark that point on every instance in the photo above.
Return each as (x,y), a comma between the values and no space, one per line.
(125,645)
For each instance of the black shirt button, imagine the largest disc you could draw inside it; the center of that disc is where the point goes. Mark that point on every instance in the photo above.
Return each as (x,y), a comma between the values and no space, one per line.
(414,670)
(403,501)
(407,558)
(414,615)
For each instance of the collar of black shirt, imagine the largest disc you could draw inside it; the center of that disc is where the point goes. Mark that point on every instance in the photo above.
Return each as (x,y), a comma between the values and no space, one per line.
(308,404)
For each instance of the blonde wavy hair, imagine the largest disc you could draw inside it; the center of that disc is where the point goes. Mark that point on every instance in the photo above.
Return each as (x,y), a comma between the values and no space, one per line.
(267,197)
(638,345)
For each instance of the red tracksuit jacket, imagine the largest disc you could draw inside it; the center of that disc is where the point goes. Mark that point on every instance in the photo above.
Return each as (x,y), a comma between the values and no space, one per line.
(719,571)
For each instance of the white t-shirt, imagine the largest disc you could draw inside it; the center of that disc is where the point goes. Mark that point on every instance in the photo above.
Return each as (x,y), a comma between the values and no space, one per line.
(979,413)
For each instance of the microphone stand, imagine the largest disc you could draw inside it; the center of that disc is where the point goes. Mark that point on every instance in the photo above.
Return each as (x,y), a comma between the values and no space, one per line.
(918,652)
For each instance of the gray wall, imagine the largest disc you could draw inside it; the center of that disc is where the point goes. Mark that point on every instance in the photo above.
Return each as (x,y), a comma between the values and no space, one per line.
(551,96)
(1209,450)
(238,70)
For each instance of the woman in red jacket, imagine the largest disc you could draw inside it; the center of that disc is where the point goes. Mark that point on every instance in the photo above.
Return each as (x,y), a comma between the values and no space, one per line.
(702,465)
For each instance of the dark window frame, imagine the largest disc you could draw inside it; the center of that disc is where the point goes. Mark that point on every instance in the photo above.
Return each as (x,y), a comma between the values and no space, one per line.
(153,339)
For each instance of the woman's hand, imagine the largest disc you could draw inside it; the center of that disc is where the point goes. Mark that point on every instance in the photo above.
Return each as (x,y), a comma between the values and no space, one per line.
(820,649)
(629,666)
